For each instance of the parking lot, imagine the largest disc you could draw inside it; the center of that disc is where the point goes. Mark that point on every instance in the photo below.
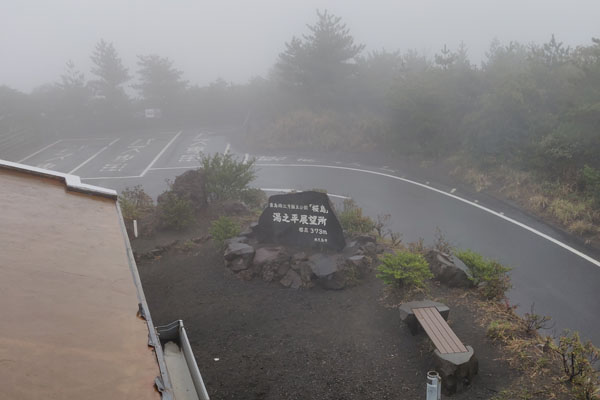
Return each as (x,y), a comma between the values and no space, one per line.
(127,157)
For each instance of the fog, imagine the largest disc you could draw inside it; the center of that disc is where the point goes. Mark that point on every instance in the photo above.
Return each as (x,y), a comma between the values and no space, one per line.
(236,40)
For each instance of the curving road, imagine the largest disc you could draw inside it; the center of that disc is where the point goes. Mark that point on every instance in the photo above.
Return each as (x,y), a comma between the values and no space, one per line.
(561,280)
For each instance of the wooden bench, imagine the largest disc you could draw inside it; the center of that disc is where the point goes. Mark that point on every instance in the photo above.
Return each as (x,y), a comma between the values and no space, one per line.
(438,330)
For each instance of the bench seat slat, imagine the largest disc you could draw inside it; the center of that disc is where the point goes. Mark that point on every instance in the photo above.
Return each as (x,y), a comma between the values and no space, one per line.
(434,333)
(442,336)
(460,347)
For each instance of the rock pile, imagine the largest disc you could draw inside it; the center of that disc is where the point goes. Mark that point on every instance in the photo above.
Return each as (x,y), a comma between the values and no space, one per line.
(246,259)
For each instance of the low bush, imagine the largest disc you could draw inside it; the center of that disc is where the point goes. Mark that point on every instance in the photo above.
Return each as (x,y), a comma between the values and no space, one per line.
(222,229)
(591,180)
(137,205)
(578,362)
(491,277)
(174,212)
(191,185)
(566,211)
(352,219)
(501,330)
(226,177)
(582,228)
(404,269)
(534,322)
(254,198)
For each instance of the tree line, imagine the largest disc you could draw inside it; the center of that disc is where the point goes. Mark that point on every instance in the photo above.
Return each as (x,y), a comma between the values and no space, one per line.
(535,107)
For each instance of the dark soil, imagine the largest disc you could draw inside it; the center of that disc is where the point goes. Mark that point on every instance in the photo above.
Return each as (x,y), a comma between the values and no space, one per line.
(254,340)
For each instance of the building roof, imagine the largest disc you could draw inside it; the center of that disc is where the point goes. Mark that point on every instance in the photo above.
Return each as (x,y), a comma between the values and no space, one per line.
(70,296)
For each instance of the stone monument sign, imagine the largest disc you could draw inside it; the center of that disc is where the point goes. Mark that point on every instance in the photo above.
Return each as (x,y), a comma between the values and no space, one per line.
(304,219)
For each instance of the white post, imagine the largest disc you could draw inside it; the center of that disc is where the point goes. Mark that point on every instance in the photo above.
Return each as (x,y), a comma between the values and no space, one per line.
(135,232)
(434,386)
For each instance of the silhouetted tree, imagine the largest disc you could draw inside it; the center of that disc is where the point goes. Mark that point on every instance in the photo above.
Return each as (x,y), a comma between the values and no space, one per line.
(322,62)
(160,85)
(111,75)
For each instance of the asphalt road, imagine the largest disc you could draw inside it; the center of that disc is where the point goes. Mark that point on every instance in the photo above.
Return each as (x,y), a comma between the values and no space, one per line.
(547,270)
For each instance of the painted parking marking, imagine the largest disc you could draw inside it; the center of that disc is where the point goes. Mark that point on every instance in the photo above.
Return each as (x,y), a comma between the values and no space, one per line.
(120,162)
(39,151)
(453,190)
(128,156)
(195,148)
(64,156)
(472,203)
(160,154)
(94,156)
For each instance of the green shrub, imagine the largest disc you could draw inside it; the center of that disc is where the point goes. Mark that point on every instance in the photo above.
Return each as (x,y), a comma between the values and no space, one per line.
(191,185)
(254,198)
(135,203)
(174,212)
(489,275)
(404,269)
(225,176)
(578,361)
(566,211)
(591,180)
(352,219)
(222,229)
(501,330)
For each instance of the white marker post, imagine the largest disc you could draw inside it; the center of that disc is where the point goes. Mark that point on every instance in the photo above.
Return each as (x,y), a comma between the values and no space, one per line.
(135,231)
(434,386)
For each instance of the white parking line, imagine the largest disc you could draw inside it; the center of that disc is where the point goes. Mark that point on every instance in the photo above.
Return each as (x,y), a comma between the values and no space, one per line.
(162,168)
(474,204)
(39,151)
(110,177)
(94,156)
(160,154)
(294,190)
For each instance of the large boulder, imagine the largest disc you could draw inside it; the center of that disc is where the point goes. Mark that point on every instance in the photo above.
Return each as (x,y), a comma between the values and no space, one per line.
(237,249)
(238,256)
(303,219)
(334,271)
(270,255)
(448,270)
(324,265)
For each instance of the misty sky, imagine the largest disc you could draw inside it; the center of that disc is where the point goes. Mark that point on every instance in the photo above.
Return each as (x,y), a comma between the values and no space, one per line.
(236,40)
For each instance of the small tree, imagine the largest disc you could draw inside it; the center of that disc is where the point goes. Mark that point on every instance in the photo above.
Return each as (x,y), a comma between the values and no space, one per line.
(136,204)
(226,177)
(110,72)
(404,268)
(535,322)
(578,360)
(222,229)
(174,212)
(352,219)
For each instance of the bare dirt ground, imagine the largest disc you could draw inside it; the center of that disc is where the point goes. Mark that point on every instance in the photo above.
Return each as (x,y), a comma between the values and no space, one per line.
(254,340)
